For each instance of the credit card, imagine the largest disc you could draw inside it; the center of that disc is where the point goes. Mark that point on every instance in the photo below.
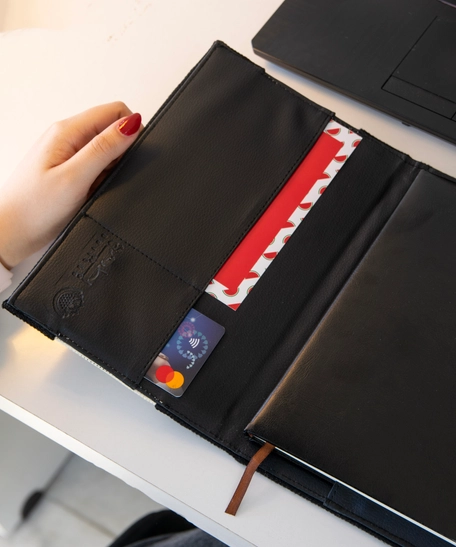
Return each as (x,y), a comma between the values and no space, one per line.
(185,353)
(238,276)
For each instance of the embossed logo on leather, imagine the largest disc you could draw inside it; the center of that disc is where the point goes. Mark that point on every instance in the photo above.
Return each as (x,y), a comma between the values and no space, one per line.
(68,302)
(97,260)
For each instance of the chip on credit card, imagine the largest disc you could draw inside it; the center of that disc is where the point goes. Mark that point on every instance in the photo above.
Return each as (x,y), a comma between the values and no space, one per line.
(185,353)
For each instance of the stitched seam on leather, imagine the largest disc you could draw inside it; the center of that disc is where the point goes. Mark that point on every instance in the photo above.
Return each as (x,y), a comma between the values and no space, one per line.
(124,161)
(106,365)
(261,70)
(438,173)
(234,448)
(41,263)
(404,157)
(278,474)
(257,216)
(370,527)
(295,95)
(139,376)
(272,195)
(240,453)
(196,425)
(268,200)
(318,131)
(368,523)
(136,379)
(24,317)
(249,226)
(145,255)
(160,115)
(299,486)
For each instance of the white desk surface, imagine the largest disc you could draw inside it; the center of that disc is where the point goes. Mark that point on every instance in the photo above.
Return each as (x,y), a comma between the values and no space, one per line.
(82,53)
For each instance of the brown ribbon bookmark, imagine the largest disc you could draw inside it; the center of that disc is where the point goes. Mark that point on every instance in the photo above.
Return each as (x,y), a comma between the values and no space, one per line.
(252,466)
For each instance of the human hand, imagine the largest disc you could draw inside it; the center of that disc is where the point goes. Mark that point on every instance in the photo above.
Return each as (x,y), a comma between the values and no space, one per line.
(58,174)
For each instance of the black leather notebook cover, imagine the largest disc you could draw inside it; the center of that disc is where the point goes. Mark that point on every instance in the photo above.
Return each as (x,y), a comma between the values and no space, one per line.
(140,253)
(370,401)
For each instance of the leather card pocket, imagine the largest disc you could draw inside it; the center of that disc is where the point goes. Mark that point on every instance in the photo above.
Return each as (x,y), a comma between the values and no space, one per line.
(107,300)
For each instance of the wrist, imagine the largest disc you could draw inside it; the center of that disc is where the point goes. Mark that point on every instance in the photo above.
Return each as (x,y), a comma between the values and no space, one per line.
(5,259)
(9,252)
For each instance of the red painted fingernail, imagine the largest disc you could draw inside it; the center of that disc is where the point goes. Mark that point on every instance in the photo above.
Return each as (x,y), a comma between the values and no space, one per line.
(130,125)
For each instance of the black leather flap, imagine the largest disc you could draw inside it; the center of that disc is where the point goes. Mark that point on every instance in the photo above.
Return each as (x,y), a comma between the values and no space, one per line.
(208,165)
(370,399)
(140,253)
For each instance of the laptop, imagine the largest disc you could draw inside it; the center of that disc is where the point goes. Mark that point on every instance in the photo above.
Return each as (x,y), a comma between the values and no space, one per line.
(398,56)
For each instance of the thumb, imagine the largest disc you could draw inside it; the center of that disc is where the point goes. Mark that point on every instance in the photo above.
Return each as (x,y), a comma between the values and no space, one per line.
(104,148)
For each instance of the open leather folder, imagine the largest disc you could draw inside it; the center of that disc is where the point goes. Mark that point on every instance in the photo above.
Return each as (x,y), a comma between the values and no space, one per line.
(142,252)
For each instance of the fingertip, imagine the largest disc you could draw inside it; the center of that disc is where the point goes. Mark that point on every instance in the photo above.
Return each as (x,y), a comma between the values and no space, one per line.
(130,125)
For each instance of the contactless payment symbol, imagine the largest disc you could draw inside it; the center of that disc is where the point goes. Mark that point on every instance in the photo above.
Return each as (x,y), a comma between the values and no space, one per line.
(185,353)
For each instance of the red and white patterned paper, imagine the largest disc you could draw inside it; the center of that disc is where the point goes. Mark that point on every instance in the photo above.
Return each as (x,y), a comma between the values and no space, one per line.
(260,246)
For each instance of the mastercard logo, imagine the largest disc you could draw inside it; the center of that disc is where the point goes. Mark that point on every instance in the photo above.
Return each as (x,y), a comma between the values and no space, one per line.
(167,375)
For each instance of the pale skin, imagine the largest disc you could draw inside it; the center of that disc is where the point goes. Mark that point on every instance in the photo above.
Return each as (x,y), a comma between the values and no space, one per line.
(57,176)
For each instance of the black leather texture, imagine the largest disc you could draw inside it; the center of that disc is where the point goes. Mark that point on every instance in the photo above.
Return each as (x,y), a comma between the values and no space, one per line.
(370,400)
(198,178)
(338,45)
(126,270)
